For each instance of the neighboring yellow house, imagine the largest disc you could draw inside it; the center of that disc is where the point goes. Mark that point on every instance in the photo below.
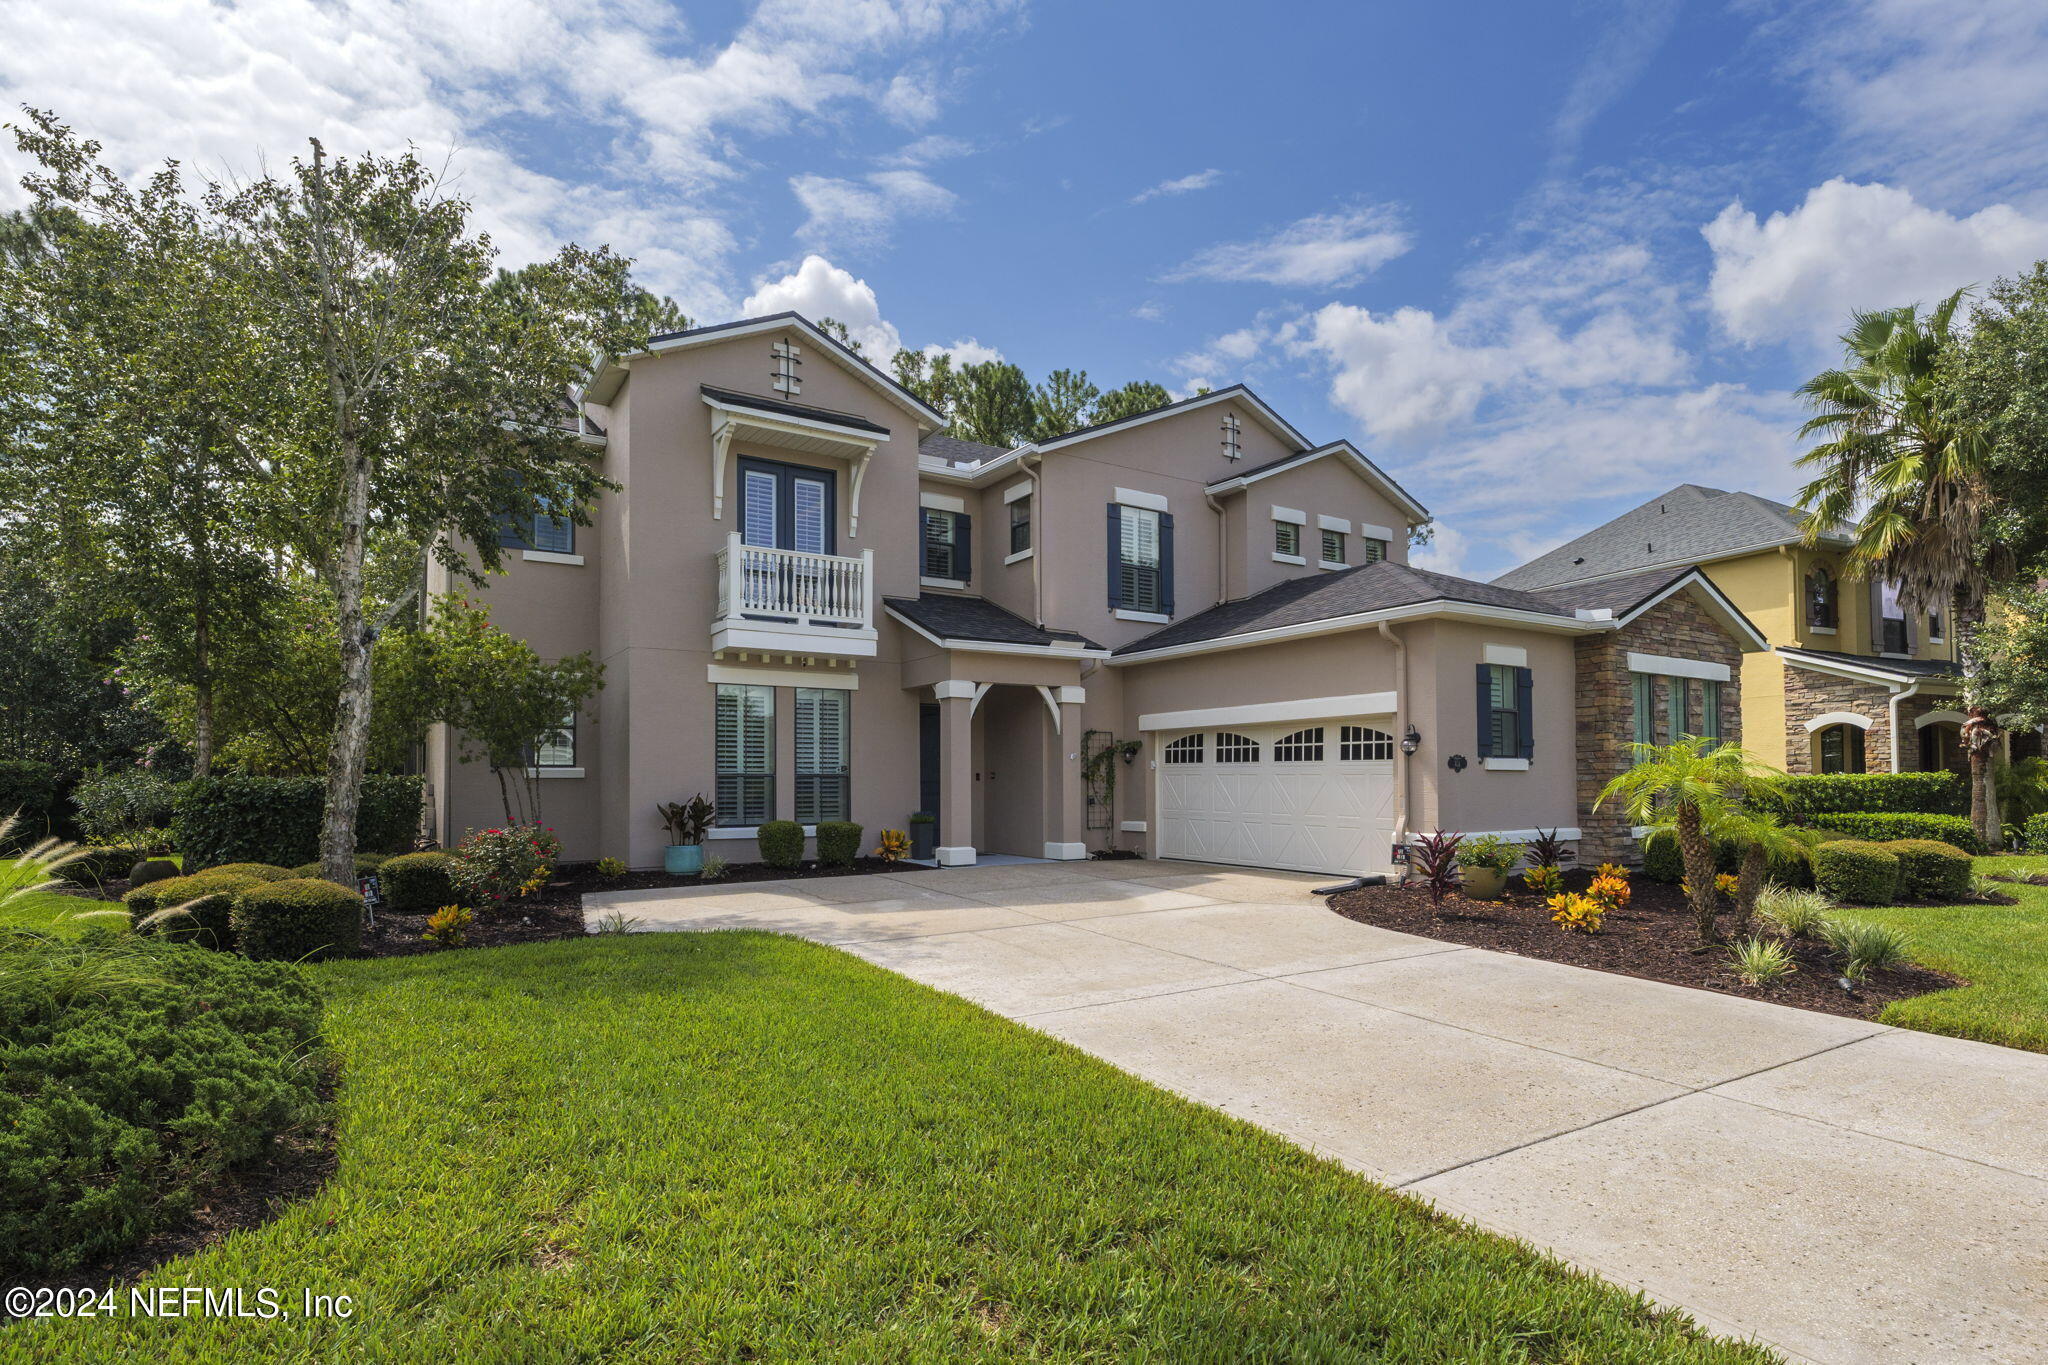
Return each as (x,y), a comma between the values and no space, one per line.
(1853,682)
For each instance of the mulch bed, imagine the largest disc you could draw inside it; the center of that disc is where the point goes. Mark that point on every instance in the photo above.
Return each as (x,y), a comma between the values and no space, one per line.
(1653,938)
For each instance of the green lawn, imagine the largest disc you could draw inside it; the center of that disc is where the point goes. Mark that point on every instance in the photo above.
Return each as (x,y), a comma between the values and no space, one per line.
(2001,950)
(54,913)
(724,1147)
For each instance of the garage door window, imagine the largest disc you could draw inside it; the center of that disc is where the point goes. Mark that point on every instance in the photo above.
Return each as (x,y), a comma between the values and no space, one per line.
(1359,744)
(1186,749)
(1303,746)
(1235,748)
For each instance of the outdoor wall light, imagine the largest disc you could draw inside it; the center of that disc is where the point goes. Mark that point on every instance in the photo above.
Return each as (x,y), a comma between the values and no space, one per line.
(1411,741)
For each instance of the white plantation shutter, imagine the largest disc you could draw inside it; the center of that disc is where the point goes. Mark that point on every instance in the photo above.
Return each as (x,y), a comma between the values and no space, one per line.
(809,497)
(822,745)
(760,508)
(557,748)
(1139,566)
(745,754)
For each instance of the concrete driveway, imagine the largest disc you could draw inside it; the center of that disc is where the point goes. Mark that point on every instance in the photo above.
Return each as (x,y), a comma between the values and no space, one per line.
(1843,1191)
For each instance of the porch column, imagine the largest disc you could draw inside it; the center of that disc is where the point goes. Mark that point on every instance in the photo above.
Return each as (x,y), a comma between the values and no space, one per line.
(1066,815)
(956,771)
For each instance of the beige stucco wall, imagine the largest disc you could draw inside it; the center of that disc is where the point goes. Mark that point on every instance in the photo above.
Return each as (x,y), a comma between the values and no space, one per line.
(1330,486)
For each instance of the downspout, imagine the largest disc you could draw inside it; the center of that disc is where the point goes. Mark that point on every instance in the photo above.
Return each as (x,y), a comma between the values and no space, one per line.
(1222,548)
(1400,733)
(1041,521)
(1898,697)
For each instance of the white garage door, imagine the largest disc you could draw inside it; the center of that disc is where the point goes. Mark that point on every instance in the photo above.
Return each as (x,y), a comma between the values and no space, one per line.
(1314,796)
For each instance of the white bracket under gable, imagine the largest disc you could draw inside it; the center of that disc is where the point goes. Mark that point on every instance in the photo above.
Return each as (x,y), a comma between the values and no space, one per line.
(854,446)
(980,691)
(721,446)
(1051,704)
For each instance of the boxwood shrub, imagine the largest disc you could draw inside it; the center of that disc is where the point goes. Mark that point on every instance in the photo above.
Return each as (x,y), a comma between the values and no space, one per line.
(262,872)
(838,842)
(1936,793)
(1931,870)
(125,1100)
(413,882)
(782,843)
(2034,834)
(366,863)
(1949,829)
(240,819)
(299,919)
(209,897)
(1857,872)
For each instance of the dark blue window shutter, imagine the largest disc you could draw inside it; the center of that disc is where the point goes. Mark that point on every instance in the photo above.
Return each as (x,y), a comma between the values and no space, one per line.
(963,546)
(1166,563)
(1116,556)
(1485,711)
(1525,689)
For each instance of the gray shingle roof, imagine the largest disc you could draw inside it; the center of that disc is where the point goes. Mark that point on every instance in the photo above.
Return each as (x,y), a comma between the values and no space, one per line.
(955,451)
(1618,595)
(1687,525)
(976,618)
(776,405)
(1904,668)
(1369,587)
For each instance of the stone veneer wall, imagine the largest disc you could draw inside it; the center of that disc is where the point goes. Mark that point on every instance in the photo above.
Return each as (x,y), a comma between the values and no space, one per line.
(1679,628)
(1809,693)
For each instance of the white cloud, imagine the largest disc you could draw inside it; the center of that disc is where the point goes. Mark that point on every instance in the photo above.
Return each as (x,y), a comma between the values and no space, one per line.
(1799,275)
(819,289)
(1325,251)
(928,149)
(1624,49)
(1152,310)
(966,351)
(861,212)
(1187,184)
(1445,552)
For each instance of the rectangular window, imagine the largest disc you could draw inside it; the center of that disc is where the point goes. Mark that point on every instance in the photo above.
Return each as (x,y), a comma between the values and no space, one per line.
(1375,550)
(823,744)
(1138,577)
(1892,626)
(1020,525)
(745,744)
(1333,547)
(1675,702)
(1286,538)
(945,545)
(1710,709)
(557,748)
(1644,687)
(556,535)
(1503,697)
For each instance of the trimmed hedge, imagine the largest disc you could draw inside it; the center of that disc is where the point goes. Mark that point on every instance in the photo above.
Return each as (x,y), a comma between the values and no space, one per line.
(29,789)
(2034,834)
(241,819)
(1857,872)
(262,872)
(366,863)
(1810,794)
(413,882)
(300,919)
(121,1102)
(782,843)
(208,896)
(1948,829)
(1662,862)
(103,864)
(838,842)
(1931,870)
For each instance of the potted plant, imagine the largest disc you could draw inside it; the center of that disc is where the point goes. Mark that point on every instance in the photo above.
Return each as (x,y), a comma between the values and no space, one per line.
(924,835)
(686,822)
(1486,861)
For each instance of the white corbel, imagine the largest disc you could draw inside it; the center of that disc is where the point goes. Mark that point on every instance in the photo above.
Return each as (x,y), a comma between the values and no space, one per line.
(721,446)
(1051,704)
(853,482)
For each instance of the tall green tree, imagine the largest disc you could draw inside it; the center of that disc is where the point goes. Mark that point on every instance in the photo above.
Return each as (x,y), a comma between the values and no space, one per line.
(841,333)
(931,377)
(1061,403)
(1896,447)
(993,404)
(1140,395)
(1995,380)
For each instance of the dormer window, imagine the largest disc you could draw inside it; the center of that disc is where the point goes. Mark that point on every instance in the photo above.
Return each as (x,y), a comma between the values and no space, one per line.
(1233,448)
(1823,600)
(787,360)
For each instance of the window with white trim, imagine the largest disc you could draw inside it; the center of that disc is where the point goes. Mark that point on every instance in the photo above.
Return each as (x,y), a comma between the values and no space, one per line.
(1503,703)
(1020,525)
(1186,749)
(556,748)
(1138,577)
(945,544)
(1333,546)
(1363,744)
(1286,538)
(787,359)
(823,746)
(1303,746)
(1375,550)
(745,754)
(1235,748)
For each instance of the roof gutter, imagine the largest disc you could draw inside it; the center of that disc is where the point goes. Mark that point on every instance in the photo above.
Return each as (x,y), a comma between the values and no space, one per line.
(1331,625)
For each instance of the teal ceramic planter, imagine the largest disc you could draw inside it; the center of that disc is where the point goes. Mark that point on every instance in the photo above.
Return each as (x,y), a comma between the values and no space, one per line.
(683,860)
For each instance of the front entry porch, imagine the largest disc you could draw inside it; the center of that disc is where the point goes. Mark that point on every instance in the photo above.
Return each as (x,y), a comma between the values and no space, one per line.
(1003,766)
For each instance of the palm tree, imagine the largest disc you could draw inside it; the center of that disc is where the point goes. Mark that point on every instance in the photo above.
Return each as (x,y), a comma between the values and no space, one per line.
(1921,478)
(1763,837)
(1688,788)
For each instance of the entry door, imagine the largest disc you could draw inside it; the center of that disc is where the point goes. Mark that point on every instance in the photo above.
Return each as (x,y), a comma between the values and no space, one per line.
(786,507)
(1309,796)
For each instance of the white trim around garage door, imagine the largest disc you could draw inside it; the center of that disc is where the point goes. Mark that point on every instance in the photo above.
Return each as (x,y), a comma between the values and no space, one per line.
(1308,708)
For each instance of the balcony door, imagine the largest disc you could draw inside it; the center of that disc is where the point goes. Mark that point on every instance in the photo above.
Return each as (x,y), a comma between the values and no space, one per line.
(787,507)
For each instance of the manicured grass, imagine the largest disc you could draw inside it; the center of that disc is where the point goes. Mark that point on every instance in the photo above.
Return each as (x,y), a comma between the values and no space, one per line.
(722,1147)
(2001,950)
(56,914)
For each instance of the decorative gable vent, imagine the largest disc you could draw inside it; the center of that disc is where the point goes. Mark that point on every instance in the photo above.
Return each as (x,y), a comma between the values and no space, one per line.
(787,359)
(1232,430)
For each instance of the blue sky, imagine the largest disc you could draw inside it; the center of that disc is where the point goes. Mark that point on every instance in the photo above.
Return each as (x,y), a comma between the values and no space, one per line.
(1542,260)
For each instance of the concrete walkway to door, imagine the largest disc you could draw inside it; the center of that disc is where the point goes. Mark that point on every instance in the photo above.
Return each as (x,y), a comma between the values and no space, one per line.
(1843,1191)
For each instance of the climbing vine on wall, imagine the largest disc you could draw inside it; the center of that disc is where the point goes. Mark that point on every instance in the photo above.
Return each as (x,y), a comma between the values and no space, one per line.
(1100,751)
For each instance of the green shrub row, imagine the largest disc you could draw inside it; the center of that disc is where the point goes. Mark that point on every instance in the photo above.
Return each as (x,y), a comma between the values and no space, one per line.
(208,899)
(239,819)
(838,842)
(2034,834)
(1810,794)
(413,882)
(366,863)
(782,843)
(300,919)
(1949,829)
(137,1072)
(1662,861)
(1857,871)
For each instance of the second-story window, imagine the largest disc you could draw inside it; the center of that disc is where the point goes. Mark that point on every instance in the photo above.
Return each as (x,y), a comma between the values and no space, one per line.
(1823,605)
(948,547)
(788,359)
(1286,539)
(1333,547)
(1139,560)
(1935,633)
(1375,550)
(1020,525)
(1891,627)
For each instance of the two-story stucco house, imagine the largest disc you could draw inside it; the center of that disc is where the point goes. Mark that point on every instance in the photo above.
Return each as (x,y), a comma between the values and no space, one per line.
(1855,681)
(814,605)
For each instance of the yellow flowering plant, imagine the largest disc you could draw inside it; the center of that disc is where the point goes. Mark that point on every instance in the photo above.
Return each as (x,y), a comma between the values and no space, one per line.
(1576,914)
(1608,891)
(895,846)
(1543,880)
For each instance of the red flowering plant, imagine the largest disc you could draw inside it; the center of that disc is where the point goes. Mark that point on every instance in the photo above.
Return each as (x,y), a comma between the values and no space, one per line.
(497,865)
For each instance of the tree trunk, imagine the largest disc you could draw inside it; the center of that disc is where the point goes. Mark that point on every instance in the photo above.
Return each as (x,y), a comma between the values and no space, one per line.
(1749,880)
(202,696)
(1980,734)
(1698,852)
(351,743)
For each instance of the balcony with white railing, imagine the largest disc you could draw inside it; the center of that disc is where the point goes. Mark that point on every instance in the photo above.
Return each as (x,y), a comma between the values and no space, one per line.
(791,600)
